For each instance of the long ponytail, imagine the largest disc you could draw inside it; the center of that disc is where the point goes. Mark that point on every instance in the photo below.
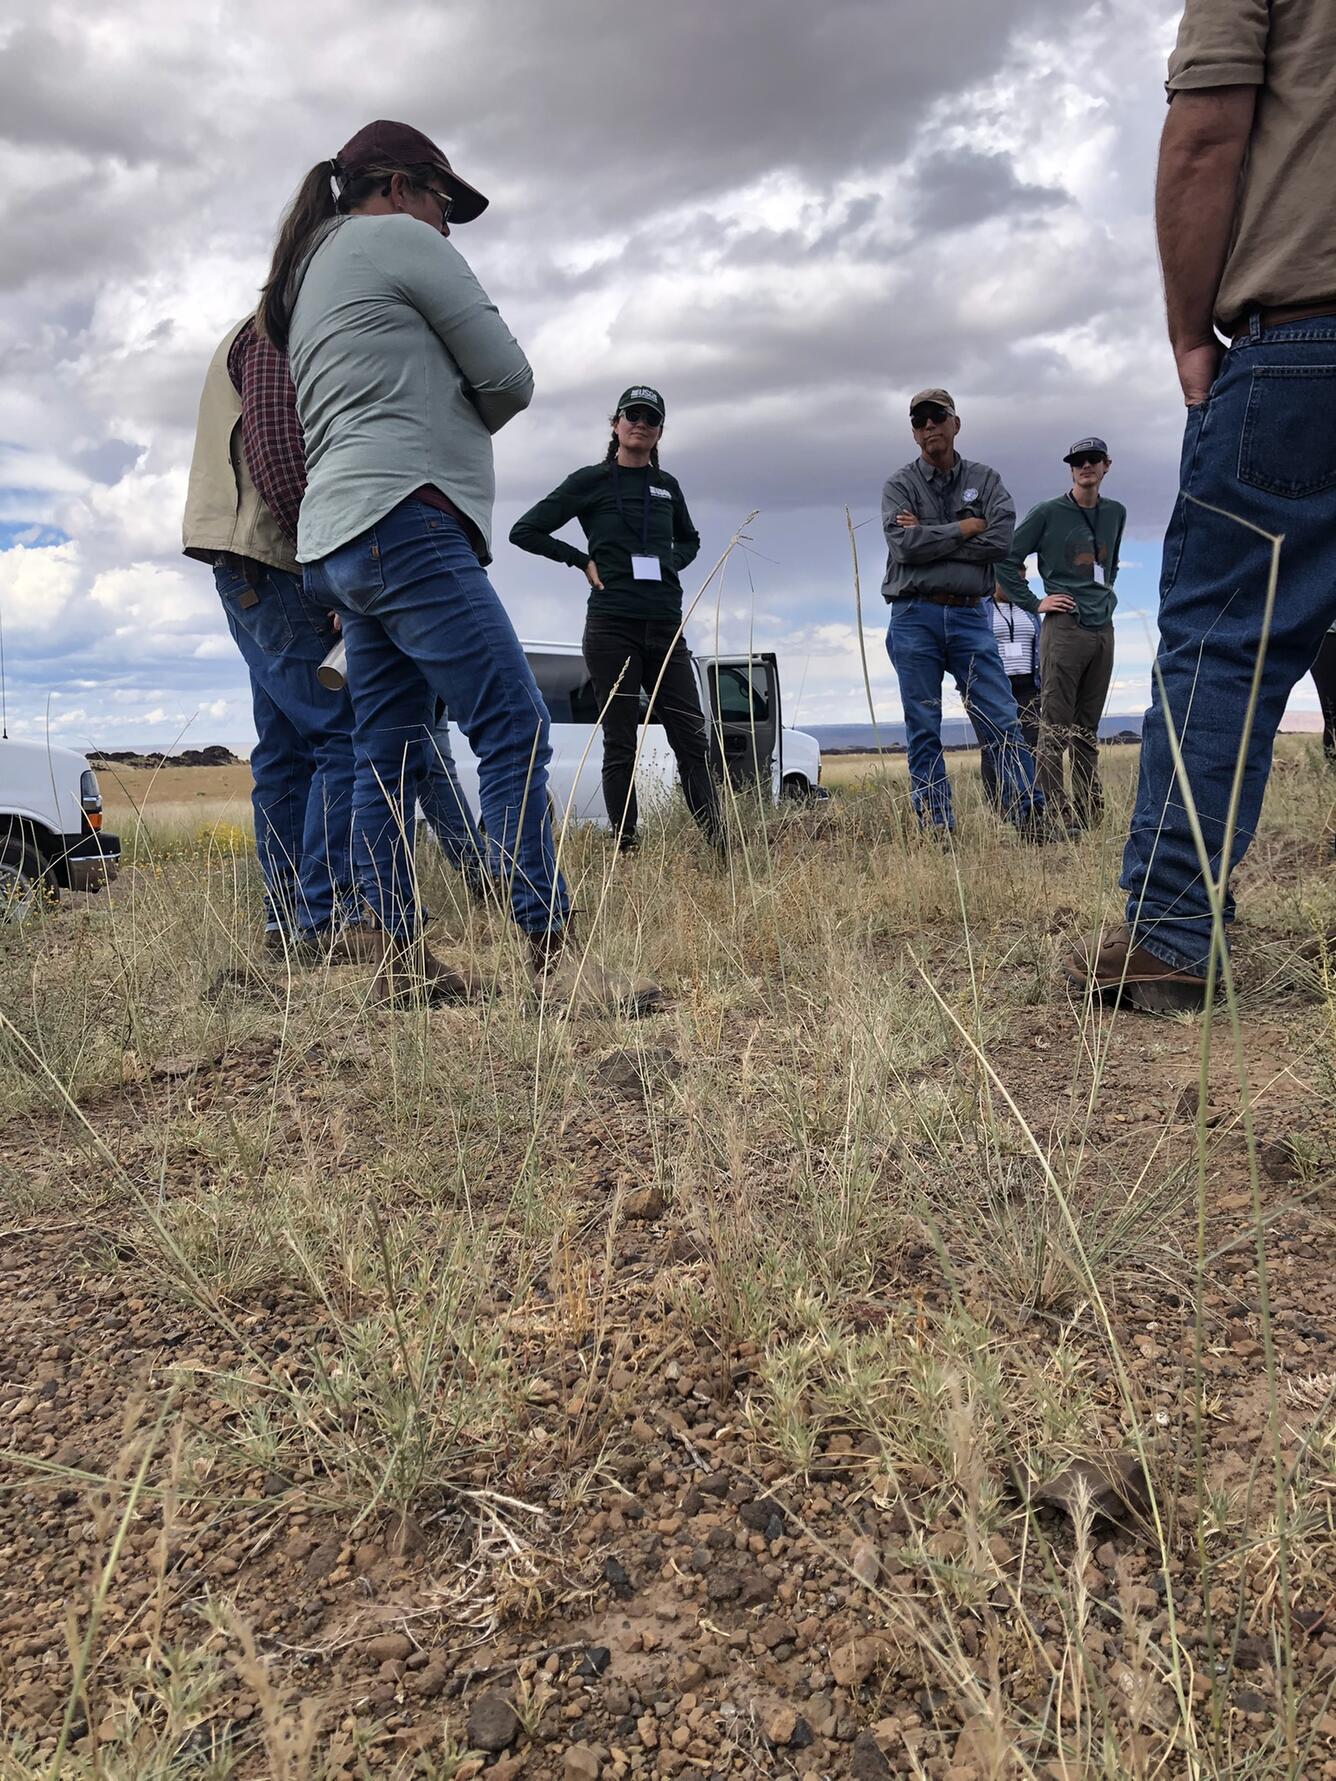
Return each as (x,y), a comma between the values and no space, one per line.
(312,205)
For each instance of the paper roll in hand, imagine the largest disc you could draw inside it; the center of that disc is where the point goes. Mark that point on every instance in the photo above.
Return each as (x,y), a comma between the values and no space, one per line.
(333,671)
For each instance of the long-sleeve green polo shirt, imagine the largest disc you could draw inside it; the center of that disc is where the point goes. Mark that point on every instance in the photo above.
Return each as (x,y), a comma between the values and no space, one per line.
(1065,537)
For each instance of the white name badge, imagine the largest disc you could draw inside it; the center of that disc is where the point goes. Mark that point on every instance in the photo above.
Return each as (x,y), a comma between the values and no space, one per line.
(646,568)
(1097,574)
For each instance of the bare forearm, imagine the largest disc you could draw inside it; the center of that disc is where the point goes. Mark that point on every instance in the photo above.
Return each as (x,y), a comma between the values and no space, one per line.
(1201,155)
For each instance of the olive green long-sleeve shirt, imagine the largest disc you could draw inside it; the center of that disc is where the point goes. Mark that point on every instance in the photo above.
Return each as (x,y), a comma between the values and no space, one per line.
(1065,538)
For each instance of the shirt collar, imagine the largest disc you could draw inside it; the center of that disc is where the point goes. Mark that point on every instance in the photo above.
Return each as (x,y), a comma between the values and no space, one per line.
(930,472)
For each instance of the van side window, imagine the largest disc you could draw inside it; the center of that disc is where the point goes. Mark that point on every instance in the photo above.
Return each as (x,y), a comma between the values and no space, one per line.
(739,698)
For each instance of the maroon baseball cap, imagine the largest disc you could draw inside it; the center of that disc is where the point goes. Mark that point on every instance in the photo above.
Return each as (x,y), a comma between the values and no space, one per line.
(388,141)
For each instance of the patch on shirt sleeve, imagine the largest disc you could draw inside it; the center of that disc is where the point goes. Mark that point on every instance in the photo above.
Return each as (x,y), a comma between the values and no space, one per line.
(971,495)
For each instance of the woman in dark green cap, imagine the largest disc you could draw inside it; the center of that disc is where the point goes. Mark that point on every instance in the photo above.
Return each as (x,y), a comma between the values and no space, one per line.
(639,537)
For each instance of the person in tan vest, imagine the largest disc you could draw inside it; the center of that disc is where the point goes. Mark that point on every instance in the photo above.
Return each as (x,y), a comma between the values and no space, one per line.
(242,500)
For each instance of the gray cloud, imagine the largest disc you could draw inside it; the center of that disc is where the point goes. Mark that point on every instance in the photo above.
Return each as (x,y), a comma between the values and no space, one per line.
(963,187)
(787,219)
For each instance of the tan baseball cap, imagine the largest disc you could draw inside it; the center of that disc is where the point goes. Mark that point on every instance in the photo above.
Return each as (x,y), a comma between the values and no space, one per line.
(941,397)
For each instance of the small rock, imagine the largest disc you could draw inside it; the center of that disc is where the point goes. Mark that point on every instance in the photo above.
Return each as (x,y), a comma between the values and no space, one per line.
(385,1647)
(756,1588)
(866,1762)
(865,1563)
(581,1764)
(853,1662)
(615,1573)
(595,1660)
(644,1203)
(780,1726)
(759,1514)
(493,1723)
(323,1560)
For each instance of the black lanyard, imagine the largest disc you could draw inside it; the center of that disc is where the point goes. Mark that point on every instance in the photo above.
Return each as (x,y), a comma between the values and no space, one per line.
(1092,524)
(617,496)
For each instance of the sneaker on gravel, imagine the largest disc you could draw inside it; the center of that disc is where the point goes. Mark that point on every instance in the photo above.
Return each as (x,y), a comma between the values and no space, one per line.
(1112,968)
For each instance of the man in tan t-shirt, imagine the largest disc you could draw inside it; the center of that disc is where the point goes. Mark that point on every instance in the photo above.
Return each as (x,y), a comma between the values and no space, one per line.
(1246,218)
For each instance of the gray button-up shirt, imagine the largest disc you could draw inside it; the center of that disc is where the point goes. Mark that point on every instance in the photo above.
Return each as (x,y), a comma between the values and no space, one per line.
(403,370)
(932,557)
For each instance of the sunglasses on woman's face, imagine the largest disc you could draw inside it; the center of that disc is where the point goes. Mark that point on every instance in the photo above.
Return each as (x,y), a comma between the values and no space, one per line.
(641,417)
(1086,459)
(445,201)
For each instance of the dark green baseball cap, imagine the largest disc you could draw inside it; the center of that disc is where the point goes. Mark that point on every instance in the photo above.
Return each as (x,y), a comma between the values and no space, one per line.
(640,395)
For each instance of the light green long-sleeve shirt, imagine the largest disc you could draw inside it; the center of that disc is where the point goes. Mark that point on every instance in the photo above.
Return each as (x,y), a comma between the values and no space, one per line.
(1059,533)
(403,370)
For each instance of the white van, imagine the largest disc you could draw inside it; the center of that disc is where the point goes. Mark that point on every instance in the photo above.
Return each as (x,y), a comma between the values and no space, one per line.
(51,834)
(740,696)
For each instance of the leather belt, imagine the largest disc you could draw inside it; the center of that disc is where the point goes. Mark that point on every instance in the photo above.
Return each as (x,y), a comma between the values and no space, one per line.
(1295,312)
(946,599)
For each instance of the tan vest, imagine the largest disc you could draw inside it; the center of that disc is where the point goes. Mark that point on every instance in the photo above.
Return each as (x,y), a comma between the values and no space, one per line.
(223,507)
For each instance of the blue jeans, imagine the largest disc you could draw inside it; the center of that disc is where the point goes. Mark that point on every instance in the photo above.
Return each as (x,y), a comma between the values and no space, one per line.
(422,625)
(302,762)
(446,810)
(926,641)
(1262,447)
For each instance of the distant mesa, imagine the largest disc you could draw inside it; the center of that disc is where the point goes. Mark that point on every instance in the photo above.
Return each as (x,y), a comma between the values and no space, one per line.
(956,733)
(215,755)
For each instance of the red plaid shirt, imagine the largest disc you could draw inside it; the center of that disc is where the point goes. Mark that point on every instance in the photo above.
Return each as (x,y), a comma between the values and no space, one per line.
(271,434)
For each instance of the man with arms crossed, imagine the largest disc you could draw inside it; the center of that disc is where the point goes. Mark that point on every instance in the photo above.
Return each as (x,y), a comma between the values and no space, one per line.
(1246,217)
(948,523)
(1076,538)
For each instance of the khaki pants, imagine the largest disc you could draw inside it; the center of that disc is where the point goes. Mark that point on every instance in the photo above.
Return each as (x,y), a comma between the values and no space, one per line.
(1075,668)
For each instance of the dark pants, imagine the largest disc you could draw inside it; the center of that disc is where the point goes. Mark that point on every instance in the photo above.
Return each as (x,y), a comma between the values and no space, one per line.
(1324,679)
(628,654)
(1259,462)
(1026,691)
(302,762)
(1075,668)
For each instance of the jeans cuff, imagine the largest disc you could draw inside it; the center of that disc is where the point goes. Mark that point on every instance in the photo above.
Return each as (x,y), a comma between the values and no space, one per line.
(1166,955)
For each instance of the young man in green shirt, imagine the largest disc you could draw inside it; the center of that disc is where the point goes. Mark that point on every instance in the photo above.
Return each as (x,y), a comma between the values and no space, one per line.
(1076,538)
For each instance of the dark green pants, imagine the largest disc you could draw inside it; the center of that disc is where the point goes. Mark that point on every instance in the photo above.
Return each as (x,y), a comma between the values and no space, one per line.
(1075,668)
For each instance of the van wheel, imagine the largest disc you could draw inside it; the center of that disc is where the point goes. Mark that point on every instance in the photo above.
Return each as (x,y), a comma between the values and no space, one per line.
(23,882)
(796,788)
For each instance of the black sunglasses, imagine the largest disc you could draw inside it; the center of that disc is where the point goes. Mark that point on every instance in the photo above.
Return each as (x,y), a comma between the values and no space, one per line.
(1085,459)
(445,201)
(643,417)
(919,417)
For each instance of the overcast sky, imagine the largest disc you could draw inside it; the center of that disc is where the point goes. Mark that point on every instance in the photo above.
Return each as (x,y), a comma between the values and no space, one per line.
(787,217)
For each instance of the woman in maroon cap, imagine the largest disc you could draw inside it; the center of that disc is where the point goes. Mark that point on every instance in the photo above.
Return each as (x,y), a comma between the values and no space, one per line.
(403,371)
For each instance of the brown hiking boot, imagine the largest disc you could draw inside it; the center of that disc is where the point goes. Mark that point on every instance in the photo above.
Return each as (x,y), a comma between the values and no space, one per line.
(409,975)
(584,986)
(1111,968)
(358,945)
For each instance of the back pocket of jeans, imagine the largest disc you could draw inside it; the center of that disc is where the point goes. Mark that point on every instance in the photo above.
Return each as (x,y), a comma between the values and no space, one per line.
(1288,446)
(350,576)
